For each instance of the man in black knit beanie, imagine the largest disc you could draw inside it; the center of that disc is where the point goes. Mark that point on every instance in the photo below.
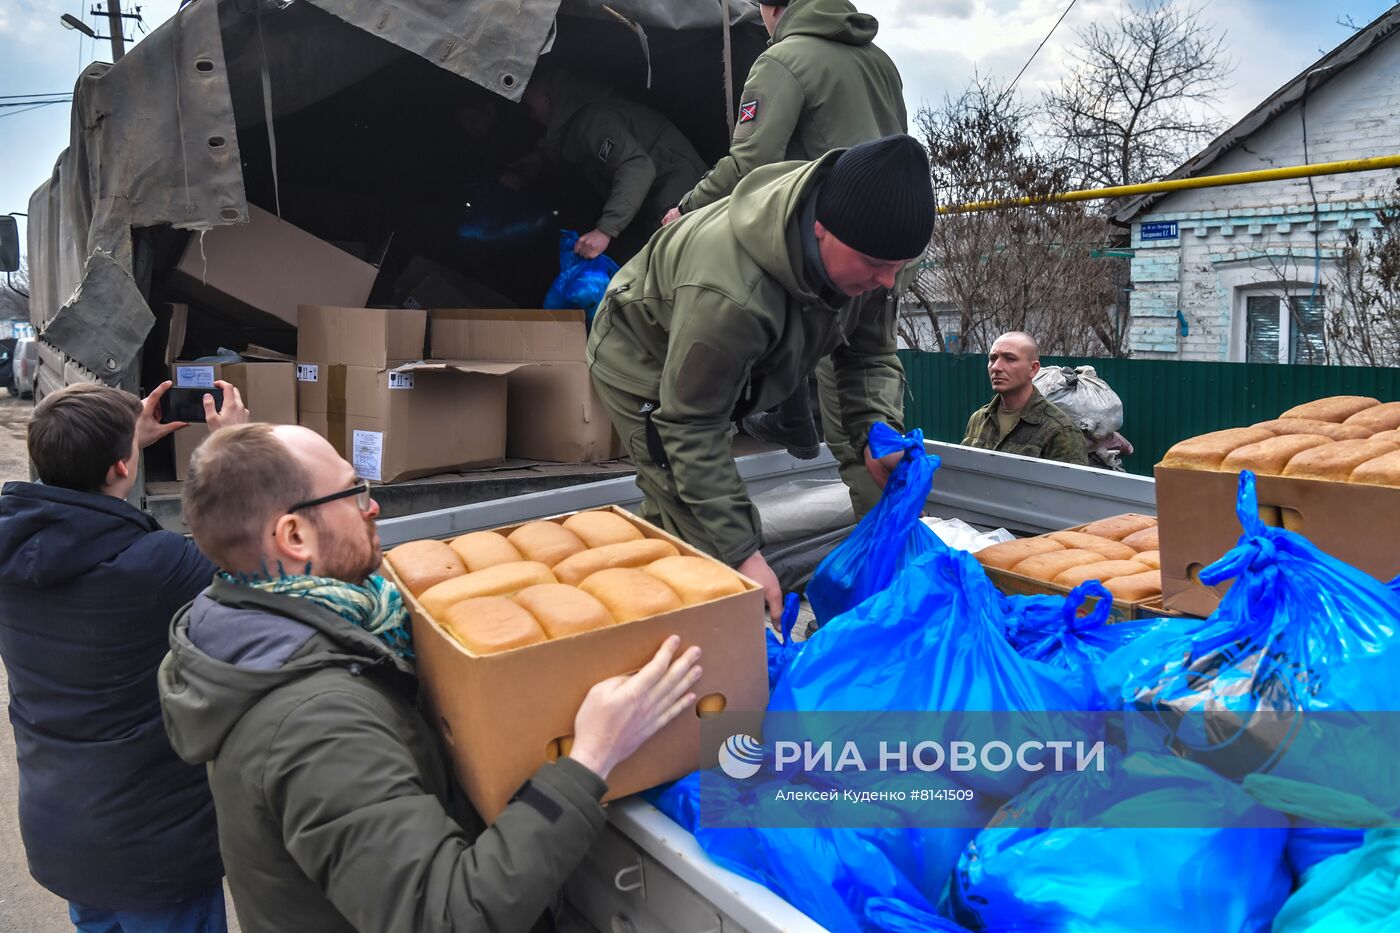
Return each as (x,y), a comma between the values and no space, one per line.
(728,312)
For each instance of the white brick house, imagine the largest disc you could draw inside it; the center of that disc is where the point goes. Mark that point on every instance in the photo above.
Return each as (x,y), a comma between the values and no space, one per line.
(1246,276)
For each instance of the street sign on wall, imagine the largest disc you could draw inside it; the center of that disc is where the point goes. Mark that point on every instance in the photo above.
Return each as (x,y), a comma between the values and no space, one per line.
(1159,230)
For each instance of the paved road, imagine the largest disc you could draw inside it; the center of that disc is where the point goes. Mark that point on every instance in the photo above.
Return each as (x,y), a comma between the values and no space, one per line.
(24,906)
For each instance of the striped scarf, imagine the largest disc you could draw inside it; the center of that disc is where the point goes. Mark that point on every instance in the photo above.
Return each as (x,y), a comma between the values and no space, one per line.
(377,607)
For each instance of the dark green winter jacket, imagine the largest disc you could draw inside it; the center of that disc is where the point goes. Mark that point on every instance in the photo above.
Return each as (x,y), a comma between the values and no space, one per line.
(821,84)
(716,318)
(631,155)
(337,808)
(1043,431)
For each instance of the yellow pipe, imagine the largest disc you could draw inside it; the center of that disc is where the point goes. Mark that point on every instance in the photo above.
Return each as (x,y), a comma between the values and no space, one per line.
(1182,184)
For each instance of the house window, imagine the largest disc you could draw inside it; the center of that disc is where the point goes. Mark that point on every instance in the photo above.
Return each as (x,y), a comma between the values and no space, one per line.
(1284,328)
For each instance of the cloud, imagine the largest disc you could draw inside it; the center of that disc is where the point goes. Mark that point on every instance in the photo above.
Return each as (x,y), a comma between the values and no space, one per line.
(949,9)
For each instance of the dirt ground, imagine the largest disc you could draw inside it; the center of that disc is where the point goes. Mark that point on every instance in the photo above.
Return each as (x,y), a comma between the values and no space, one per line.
(24,906)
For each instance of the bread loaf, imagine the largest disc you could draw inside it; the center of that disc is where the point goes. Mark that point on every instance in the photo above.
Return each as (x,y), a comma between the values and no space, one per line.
(563,610)
(1382,417)
(631,594)
(424,564)
(1050,565)
(1336,461)
(1151,559)
(1380,471)
(574,570)
(599,529)
(1008,554)
(1390,437)
(1103,570)
(1333,432)
(546,542)
(1270,457)
(1119,526)
(1145,540)
(491,624)
(1110,550)
(1136,587)
(1205,451)
(482,549)
(695,579)
(1336,409)
(500,580)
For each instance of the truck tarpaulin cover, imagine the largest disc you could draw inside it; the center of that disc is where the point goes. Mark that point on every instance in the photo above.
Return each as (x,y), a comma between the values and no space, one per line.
(153,140)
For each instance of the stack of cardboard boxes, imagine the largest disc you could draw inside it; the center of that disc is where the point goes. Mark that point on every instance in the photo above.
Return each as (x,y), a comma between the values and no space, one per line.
(399,392)
(403,393)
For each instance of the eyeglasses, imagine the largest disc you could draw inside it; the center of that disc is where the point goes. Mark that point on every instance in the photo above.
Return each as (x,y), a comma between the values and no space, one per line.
(360,490)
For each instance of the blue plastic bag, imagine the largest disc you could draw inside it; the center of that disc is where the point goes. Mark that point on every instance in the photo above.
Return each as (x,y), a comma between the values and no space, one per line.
(781,653)
(1355,892)
(1298,631)
(1309,845)
(887,539)
(1051,629)
(932,640)
(1075,877)
(839,877)
(581,283)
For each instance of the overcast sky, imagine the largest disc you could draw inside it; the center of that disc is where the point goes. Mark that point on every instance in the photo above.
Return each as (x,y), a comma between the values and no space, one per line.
(937,44)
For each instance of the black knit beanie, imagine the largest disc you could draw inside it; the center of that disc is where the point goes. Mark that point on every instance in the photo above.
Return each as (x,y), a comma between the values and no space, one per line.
(878,198)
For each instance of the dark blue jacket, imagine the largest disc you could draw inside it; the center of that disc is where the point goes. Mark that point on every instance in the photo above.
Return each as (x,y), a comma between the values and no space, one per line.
(88,584)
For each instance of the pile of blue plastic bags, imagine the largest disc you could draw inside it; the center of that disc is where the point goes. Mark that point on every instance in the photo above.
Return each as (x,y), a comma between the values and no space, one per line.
(1282,838)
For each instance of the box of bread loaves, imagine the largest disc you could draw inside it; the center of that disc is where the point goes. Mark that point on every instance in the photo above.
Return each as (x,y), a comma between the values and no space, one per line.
(511,627)
(1120,552)
(1329,470)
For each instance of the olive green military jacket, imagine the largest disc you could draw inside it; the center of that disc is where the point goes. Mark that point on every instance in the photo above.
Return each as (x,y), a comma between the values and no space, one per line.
(822,84)
(1043,431)
(630,154)
(715,319)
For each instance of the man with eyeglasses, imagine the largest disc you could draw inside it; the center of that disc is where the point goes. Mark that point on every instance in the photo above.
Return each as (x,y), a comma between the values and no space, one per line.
(112,821)
(292,678)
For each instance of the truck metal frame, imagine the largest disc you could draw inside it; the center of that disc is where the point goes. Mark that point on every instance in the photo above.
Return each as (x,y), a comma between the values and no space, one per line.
(645,873)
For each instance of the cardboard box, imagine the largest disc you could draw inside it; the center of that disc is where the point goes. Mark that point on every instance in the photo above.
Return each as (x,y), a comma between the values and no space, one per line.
(377,338)
(1014,584)
(554,412)
(362,383)
(1353,522)
(268,388)
(418,419)
(502,714)
(269,266)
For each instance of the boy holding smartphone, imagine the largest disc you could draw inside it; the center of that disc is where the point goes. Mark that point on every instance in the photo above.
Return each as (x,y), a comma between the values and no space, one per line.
(112,820)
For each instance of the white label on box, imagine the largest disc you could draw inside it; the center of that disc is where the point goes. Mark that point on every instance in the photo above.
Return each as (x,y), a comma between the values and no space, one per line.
(400,380)
(367,454)
(194,377)
(308,372)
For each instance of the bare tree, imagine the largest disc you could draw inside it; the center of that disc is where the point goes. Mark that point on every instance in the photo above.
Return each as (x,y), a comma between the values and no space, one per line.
(1139,98)
(1363,321)
(1030,268)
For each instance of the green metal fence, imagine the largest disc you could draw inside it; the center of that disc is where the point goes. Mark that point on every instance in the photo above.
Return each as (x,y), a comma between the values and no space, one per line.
(1163,400)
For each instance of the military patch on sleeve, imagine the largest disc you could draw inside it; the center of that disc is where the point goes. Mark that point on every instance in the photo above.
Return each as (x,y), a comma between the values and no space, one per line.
(605,150)
(748,111)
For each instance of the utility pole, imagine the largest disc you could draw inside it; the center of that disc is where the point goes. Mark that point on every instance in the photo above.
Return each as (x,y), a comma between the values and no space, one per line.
(115,27)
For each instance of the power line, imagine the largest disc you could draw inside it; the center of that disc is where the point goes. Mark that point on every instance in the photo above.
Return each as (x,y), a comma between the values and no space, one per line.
(1012,86)
(50,94)
(36,103)
(15,113)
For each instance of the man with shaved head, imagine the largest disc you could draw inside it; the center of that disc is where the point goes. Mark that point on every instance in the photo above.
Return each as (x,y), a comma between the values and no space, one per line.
(292,678)
(1018,419)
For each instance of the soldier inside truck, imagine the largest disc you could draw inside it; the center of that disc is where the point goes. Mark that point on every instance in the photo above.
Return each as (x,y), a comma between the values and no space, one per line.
(402,167)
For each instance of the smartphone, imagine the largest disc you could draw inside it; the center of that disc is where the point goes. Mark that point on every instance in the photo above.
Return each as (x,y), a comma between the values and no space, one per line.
(187,404)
